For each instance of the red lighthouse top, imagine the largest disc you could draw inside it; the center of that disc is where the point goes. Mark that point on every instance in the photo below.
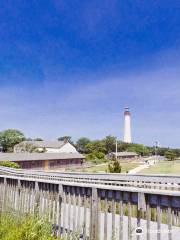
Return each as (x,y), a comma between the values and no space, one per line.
(127,111)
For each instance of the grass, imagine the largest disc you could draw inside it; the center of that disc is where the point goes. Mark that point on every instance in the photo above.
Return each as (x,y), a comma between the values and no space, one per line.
(28,227)
(126,166)
(164,167)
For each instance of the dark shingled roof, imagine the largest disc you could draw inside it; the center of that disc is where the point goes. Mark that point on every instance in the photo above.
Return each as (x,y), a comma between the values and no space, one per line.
(15,157)
(125,154)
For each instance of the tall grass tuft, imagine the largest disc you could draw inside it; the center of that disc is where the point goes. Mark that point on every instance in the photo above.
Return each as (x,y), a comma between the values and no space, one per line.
(26,227)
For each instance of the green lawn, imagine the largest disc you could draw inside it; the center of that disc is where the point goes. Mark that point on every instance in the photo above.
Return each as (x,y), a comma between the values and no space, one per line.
(104,167)
(165,167)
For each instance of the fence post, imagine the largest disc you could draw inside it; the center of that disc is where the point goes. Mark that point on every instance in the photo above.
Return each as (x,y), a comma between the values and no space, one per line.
(4,195)
(37,198)
(60,194)
(94,215)
(18,196)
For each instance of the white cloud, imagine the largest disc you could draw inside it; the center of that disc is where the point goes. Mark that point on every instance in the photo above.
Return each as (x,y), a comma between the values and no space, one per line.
(95,108)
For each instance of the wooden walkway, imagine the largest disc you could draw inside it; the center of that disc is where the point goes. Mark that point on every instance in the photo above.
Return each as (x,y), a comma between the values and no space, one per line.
(98,206)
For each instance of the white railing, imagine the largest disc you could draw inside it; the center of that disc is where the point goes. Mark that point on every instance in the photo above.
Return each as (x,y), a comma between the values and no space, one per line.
(95,207)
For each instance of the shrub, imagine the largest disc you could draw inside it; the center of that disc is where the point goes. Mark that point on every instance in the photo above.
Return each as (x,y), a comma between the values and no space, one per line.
(99,155)
(114,167)
(9,164)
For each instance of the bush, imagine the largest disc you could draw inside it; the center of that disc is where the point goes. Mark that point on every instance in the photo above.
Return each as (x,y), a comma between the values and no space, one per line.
(114,167)
(9,164)
(96,157)
(99,155)
(90,156)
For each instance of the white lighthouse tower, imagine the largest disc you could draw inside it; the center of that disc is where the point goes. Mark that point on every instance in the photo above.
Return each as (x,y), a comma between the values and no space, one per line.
(127,126)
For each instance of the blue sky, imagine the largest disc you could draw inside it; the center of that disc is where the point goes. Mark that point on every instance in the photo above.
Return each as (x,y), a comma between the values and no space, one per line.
(69,67)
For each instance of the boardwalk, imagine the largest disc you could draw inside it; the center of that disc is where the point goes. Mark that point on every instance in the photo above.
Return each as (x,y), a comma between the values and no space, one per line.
(99,206)
(153,227)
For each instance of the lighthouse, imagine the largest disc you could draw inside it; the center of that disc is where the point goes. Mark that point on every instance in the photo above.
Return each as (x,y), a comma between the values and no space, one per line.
(127,126)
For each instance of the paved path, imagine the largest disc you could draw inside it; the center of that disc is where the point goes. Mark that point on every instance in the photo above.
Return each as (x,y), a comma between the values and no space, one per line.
(138,169)
(150,162)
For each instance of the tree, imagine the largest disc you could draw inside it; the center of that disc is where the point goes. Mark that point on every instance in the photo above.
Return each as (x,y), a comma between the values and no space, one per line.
(114,167)
(27,147)
(96,146)
(38,139)
(122,146)
(95,155)
(66,138)
(9,164)
(81,144)
(170,155)
(110,143)
(138,148)
(29,139)
(9,138)
(177,152)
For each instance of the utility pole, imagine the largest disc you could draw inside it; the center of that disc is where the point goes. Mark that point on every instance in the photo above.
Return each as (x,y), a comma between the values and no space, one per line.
(155,150)
(116,148)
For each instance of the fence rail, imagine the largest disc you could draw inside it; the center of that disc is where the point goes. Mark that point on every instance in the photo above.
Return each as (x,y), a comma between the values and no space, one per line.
(101,211)
(170,182)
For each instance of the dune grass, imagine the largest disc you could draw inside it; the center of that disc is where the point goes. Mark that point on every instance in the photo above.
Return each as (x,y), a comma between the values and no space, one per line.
(164,167)
(13,227)
(126,166)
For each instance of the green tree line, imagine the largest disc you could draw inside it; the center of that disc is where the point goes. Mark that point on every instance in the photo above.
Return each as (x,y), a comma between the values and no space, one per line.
(92,148)
(108,144)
